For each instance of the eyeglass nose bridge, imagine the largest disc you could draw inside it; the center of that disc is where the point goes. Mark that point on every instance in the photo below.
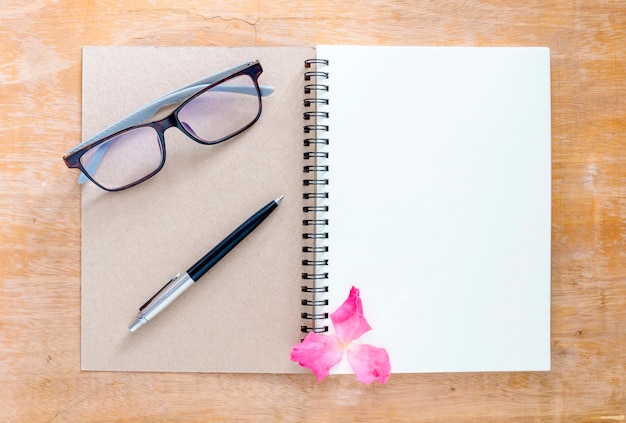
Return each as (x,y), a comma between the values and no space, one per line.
(164,124)
(172,121)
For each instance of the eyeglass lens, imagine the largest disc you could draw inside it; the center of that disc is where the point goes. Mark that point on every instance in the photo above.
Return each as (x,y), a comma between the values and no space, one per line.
(222,110)
(210,117)
(125,158)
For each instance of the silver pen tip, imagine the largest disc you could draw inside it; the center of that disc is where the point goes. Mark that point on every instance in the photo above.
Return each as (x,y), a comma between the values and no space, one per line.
(279,199)
(136,325)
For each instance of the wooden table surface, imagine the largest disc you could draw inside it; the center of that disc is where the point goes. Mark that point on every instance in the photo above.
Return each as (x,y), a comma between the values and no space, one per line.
(40,118)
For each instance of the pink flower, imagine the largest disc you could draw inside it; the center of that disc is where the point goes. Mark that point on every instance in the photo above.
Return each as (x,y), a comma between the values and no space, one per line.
(321,352)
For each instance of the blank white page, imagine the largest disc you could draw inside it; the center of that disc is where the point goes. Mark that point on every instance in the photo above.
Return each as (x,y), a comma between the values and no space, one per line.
(440,202)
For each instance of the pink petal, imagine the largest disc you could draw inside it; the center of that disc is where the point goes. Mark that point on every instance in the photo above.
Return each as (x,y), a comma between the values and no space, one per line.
(319,353)
(369,363)
(348,319)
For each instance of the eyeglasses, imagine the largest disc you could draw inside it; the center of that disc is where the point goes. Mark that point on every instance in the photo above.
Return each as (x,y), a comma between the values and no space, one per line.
(209,111)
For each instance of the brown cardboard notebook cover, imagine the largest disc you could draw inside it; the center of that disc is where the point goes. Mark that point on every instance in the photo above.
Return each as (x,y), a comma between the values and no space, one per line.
(244,315)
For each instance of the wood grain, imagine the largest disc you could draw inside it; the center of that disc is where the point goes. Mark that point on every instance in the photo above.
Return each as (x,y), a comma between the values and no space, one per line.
(40,99)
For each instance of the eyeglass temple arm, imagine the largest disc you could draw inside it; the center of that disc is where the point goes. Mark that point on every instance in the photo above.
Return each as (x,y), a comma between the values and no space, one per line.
(149,109)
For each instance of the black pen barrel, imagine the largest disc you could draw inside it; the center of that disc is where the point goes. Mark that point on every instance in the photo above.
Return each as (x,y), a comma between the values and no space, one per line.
(220,250)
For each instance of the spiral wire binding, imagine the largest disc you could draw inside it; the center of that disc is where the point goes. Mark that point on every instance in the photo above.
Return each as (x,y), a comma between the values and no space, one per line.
(316,182)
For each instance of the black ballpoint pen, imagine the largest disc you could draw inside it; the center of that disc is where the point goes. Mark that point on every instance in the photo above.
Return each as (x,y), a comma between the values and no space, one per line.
(179,283)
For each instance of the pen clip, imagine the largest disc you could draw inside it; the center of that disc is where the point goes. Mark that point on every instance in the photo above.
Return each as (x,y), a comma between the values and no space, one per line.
(171,281)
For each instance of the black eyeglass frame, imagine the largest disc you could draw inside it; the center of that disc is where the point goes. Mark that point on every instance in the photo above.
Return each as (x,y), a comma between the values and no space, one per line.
(73,159)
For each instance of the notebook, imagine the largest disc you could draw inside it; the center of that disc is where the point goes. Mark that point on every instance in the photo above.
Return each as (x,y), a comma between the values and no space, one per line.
(420,175)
